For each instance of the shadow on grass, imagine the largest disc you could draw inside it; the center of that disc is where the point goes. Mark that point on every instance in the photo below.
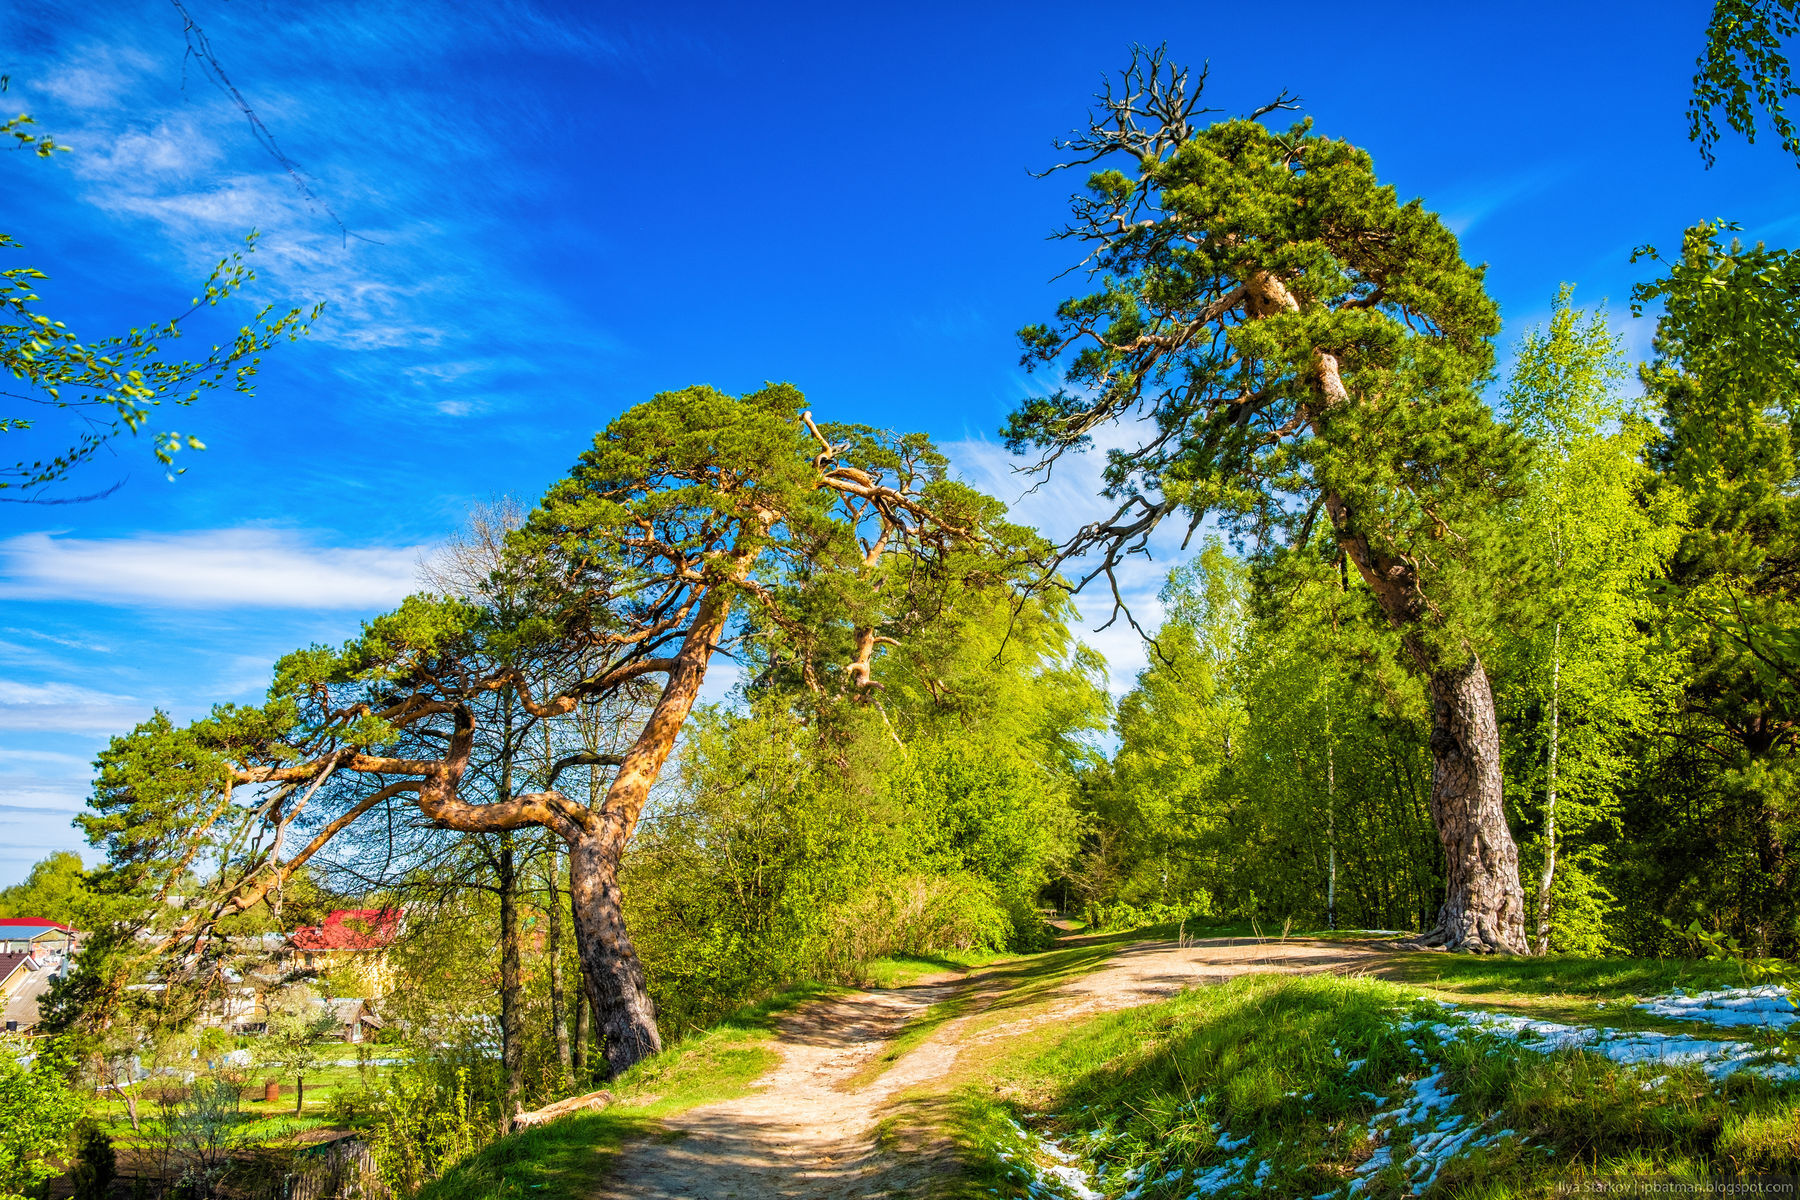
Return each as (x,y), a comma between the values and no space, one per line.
(1564,975)
(563,1160)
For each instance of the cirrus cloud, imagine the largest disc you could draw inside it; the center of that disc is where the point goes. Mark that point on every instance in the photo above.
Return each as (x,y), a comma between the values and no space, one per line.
(221,568)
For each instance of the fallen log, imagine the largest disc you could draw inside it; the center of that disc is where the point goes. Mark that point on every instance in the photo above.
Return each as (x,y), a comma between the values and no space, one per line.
(592,1102)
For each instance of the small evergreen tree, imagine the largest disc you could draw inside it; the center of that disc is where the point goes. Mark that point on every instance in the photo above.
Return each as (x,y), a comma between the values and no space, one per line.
(95,1165)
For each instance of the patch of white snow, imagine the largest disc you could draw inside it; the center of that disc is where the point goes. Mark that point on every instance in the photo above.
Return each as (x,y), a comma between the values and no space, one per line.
(1766,1007)
(1628,1047)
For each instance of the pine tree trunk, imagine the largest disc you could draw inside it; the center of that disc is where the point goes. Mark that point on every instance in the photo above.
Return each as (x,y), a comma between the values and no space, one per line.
(1547,880)
(512,1041)
(624,1017)
(1484,906)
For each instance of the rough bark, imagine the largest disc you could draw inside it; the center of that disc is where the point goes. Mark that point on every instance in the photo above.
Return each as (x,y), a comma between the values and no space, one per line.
(1484,905)
(624,1016)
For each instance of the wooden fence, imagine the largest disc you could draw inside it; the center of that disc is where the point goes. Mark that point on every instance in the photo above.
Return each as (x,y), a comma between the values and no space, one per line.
(343,1169)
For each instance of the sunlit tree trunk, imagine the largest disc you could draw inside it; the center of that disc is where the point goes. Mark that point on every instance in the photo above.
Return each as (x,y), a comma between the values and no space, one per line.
(1484,906)
(1547,880)
(624,1016)
(512,1040)
(559,1024)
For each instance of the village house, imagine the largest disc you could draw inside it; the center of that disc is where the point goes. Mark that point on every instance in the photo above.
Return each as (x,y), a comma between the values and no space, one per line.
(353,940)
(37,934)
(33,952)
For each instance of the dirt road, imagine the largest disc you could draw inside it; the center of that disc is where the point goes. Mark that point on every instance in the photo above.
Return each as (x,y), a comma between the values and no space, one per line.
(801,1135)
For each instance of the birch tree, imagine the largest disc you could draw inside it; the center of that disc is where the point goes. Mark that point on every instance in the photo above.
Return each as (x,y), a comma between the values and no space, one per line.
(1596,542)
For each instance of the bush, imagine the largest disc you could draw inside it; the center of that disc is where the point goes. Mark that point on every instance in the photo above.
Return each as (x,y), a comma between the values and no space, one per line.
(1120,915)
(95,1165)
(38,1112)
(422,1123)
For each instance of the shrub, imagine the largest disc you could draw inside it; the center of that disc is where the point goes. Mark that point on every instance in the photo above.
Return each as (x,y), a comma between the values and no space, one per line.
(95,1165)
(1120,915)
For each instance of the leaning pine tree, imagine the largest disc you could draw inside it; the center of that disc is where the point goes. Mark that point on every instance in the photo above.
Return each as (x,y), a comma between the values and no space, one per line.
(1301,347)
(698,521)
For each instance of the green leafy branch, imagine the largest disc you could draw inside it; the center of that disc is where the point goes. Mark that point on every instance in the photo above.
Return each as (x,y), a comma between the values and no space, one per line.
(1742,66)
(113,385)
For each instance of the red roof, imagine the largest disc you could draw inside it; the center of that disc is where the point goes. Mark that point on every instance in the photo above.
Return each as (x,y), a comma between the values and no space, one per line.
(37,923)
(351,929)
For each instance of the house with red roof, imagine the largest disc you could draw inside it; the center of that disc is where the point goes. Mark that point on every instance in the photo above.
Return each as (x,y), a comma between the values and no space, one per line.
(356,940)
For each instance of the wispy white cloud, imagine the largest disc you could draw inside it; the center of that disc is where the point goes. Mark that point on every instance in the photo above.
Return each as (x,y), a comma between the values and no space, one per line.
(1467,207)
(225,568)
(65,708)
(12,759)
(82,644)
(419,248)
(99,78)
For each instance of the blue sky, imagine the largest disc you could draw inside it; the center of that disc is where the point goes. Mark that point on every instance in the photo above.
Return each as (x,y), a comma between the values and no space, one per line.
(559,210)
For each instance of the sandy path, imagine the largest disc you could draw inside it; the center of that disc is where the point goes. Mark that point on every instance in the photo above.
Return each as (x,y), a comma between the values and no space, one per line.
(799,1135)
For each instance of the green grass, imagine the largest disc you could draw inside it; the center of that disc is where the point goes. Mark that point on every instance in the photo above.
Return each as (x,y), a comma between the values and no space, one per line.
(563,1160)
(903,970)
(1266,1057)
(1579,990)
(1592,978)
(275,1122)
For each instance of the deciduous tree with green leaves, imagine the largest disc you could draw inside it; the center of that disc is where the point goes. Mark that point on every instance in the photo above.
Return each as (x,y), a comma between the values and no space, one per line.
(298,1024)
(55,889)
(39,1111)
(1596,541)
(1726,374)
(1742,68)
(113,385)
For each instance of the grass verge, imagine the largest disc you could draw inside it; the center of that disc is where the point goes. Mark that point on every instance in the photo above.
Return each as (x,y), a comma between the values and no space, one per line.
(1578,990)
(1249,1088)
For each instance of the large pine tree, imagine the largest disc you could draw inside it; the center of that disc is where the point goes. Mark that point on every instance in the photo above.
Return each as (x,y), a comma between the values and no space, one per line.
(1303,347)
